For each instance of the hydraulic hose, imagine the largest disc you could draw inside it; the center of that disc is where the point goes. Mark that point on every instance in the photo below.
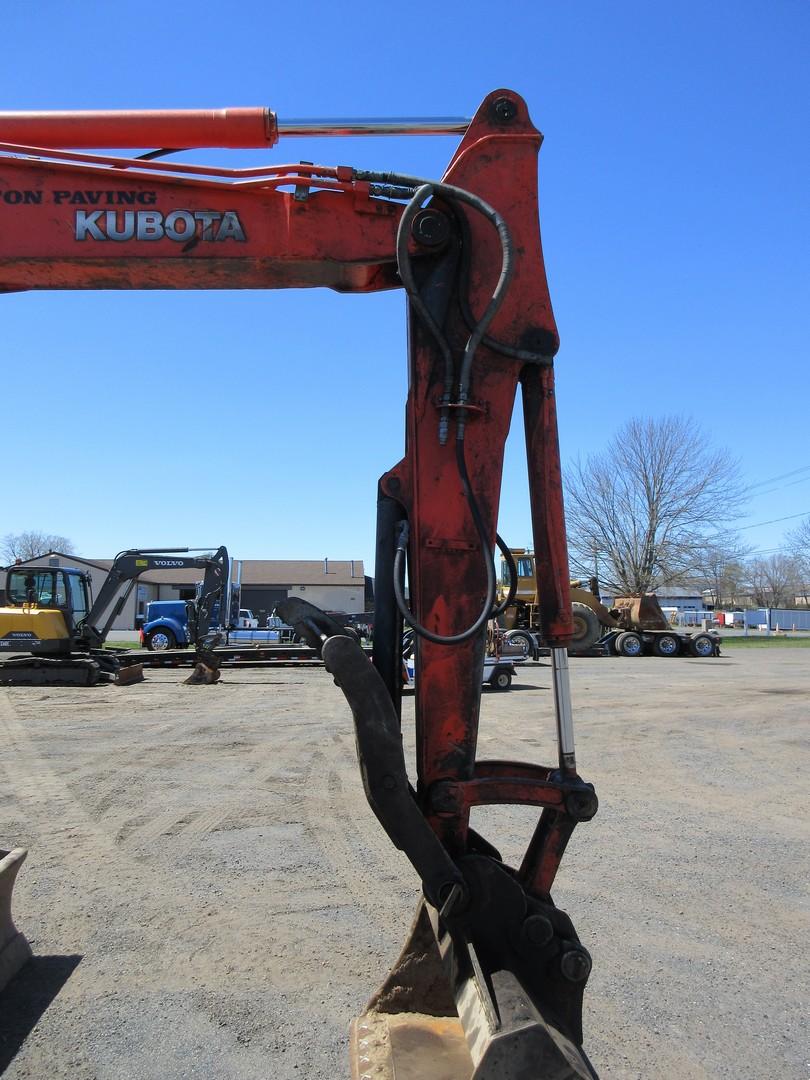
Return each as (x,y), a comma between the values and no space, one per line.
(487,611)
(396,185)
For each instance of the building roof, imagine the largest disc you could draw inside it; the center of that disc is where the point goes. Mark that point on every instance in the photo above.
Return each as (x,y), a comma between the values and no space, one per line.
(678,592)
(302,572)
(279,572)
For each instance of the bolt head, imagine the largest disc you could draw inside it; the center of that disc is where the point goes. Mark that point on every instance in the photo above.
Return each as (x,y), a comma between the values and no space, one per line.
(575,965)
(504,110)
(430,228)
(538,930)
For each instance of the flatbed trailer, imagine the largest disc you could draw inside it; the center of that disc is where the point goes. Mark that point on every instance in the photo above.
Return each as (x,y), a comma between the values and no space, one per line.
(228,655)
(659,643)
(664,643)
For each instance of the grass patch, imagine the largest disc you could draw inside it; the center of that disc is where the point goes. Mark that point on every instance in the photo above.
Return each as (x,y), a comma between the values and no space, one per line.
(772,642)
(122,644)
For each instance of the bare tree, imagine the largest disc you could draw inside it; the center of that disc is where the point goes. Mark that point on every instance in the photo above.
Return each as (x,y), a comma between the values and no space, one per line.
(650,503)
(774,580)
(30,545)
(722,570)
(799,547)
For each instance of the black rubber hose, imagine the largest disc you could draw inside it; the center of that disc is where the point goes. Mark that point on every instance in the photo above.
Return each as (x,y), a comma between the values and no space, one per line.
(399,568)
(526,356)
(422,190)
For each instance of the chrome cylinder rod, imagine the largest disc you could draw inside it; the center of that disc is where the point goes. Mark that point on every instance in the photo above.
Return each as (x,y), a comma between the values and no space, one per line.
(562,705)
(187,129)
(424,125)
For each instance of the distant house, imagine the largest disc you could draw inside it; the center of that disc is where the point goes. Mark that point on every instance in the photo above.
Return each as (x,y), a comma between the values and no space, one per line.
(332,584)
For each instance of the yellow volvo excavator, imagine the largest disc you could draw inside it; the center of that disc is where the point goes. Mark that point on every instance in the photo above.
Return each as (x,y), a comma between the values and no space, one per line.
(51,629)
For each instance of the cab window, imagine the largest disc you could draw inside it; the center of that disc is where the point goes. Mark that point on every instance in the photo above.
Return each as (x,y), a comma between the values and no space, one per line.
(525,568)
(78,597)
(36,586)
(61,591)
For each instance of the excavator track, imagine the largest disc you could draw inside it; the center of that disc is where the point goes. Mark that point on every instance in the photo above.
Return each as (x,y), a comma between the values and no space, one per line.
(52,671)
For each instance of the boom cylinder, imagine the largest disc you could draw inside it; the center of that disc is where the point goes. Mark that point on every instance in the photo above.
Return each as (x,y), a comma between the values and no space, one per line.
(186,129)
(178,129)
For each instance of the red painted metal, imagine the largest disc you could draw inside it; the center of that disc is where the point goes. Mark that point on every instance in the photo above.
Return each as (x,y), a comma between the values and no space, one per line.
(180,129)
(81,221)
(448,585)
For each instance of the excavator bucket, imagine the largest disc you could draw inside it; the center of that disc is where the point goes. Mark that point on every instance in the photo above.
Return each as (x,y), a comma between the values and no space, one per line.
(439,1017)
(14,949)
(202,675)
(490,975)
(131,674)
(410,1029)
(206,671)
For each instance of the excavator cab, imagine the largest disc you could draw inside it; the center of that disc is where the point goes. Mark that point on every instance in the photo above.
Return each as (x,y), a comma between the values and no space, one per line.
(64,589)
(44,605)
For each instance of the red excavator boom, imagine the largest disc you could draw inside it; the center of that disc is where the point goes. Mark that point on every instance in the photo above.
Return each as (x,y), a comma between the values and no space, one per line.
(466,250)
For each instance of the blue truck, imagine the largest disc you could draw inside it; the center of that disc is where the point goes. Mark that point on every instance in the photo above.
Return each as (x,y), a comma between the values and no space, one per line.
(166,627)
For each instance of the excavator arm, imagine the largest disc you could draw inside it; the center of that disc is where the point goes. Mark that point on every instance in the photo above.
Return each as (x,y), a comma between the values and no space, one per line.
(466,249)
(128,566)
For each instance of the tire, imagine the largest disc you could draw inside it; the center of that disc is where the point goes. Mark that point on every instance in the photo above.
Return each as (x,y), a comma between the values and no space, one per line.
(609,644)
(500,680)
(160,639)
(629,644)
(666,645)
(701,645)
(522,638)
(587,629)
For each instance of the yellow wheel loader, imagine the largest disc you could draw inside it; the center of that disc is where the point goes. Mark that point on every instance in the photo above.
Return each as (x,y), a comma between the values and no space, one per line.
(635,625)
(521,618)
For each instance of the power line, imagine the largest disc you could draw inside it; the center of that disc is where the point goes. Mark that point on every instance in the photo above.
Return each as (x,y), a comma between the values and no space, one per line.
(781,487)
(773,521)
(782,476)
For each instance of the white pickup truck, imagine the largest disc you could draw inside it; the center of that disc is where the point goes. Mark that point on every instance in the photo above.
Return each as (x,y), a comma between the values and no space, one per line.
(247,620)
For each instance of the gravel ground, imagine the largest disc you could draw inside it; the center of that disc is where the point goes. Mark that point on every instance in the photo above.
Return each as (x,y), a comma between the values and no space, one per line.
(208,894)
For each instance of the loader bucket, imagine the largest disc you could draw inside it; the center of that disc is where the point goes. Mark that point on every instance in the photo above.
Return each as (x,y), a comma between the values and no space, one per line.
(641,613)
(14,949)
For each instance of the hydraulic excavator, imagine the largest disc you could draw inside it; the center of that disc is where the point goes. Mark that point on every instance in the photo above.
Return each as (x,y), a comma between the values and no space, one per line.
(52,631)
(494,972)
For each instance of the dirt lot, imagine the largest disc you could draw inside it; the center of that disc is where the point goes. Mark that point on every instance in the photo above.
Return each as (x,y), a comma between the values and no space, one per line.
(208,894)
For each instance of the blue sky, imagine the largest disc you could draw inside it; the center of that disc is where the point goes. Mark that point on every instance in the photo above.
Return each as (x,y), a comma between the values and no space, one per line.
(674,211)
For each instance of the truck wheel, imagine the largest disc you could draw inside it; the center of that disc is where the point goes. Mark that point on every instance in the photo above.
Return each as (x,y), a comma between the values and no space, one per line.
(666,645)
(701,645)
(500,680)
(523,639)
(629,644)
(587,629)
(160,639)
